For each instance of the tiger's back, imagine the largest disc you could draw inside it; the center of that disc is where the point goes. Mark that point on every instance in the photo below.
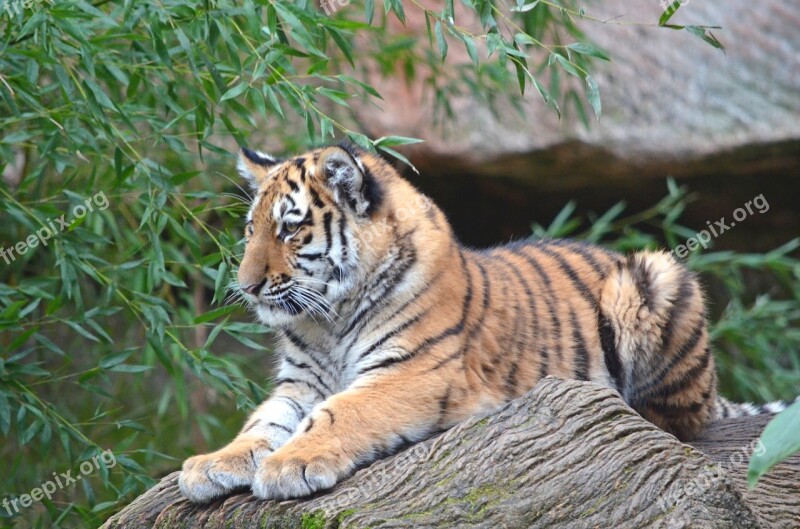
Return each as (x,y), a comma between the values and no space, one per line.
(392,331)
(635,324)
(563,308)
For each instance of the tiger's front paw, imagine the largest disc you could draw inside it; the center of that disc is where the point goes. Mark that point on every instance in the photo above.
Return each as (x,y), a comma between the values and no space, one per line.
(293,472)
(210,476)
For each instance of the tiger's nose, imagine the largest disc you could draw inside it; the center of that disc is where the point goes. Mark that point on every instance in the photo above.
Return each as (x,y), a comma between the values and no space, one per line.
(254,289)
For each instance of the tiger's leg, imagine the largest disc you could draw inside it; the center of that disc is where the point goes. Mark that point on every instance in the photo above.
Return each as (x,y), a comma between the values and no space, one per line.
(205,477)
(653,325)
(349,429)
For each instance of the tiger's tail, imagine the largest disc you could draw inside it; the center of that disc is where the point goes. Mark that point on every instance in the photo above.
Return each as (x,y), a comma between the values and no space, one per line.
(725,409)
(654,335)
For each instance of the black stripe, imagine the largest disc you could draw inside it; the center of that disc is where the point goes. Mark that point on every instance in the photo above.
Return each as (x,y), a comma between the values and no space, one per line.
(281,380)
(583,250)
(292,362)
(608,342)
(295,340)
(486,291)
(308,369)
(252,425)
(680,304)
(330,414)
(685,349)
(582,288)
(640,273)
(294,405)
(342,238)
(355,321)
(326,224)
(550,296)
(592,248)
(316,198)
(430,342)
(351,201)
(372,191)
(522,345)
(511,380)
(689,377)
(394,332)
(306,349)
(511,333)
(258,160)
(292,184)
(458,327)
(313,256)
(674,411)
(310,424)
(308,220)
(444,402)
(392,276)
(370,188)
(477,326)
(579,347)
(280,427)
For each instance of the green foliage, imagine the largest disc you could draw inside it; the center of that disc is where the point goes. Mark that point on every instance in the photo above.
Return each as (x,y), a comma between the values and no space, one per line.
(315,520)
(781,439)
(109,338)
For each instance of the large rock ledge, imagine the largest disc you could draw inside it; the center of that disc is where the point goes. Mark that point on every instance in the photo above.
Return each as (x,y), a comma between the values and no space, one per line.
(567,454)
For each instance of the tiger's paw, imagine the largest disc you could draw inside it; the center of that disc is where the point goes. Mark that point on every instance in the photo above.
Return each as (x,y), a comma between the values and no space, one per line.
(293,472)
(209,476)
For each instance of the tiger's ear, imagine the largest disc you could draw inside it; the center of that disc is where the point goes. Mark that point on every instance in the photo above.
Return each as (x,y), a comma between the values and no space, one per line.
(350,180)
(254,166)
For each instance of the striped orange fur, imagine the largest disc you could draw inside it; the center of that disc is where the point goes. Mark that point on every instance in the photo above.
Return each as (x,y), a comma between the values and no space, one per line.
(392,331)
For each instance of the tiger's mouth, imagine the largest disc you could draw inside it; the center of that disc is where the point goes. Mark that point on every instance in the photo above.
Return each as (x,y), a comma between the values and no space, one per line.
(282,298)
(279,292)
(297,297)
(288,303)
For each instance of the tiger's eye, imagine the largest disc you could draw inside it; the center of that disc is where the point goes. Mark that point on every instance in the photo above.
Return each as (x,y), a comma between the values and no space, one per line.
(291,227)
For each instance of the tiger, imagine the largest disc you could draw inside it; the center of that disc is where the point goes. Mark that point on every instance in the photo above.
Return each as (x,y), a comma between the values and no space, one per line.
(391,331)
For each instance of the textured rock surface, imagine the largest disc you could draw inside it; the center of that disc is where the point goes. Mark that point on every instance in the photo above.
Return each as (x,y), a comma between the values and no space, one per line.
(568,454)
(666,94)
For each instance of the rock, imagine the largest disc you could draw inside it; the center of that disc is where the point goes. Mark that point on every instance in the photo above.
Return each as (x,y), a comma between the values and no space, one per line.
(666,94)
(567,454)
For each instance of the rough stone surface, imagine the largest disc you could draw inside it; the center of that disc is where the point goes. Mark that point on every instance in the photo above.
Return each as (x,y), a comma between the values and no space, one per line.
(567,454)
(666,94)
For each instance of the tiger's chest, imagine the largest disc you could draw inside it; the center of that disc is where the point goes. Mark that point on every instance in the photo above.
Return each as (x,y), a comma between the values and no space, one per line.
(335,352)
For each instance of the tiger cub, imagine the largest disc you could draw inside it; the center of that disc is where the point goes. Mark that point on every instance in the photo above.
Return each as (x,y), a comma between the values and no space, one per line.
(391,331)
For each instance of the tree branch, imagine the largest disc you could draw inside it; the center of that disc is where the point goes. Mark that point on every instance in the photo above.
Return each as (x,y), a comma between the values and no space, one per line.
(567,454)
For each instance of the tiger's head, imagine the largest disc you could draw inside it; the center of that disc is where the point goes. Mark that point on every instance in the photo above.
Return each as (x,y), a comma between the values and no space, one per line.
(307,228)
